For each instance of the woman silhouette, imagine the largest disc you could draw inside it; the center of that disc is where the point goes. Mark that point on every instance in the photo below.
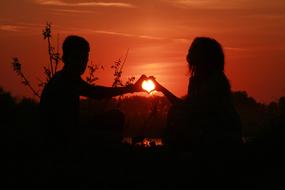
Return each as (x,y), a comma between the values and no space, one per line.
(206,118)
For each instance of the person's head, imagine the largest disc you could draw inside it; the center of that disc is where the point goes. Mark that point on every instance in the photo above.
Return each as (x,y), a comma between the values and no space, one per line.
(205,56)
(75,54)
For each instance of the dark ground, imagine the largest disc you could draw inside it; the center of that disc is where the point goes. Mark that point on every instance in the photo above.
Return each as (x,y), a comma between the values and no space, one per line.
(103,162)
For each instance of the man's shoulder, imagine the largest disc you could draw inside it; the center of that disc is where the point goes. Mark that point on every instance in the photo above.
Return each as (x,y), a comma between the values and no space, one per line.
(56,83)
(58,79)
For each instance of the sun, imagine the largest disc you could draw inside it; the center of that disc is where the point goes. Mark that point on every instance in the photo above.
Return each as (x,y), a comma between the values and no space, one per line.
(148,85)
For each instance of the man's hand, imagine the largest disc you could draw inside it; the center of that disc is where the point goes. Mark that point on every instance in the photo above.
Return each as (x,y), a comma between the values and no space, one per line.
(137,87)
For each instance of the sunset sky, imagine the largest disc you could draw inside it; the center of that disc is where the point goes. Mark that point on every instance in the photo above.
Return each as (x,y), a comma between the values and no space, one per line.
(157,33)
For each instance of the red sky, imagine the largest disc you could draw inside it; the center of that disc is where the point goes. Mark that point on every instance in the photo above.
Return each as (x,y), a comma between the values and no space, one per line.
(158,34)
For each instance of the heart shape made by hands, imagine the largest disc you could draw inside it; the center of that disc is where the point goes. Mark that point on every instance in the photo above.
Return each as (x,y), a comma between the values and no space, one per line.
(148,85)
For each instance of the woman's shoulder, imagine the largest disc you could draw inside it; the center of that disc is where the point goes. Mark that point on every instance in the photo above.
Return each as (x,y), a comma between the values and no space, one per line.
(219,80)
(219,76)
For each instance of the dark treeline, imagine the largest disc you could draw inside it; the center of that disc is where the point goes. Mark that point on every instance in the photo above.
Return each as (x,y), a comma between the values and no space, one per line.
(263,131)
(145,116)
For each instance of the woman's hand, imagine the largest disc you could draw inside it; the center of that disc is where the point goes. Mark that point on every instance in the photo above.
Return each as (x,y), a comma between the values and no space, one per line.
(157,85)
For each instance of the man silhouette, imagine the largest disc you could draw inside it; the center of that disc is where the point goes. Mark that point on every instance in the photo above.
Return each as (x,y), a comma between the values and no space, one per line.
(59,103)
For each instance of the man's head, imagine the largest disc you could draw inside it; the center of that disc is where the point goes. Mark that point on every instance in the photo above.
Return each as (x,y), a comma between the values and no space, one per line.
(75,54)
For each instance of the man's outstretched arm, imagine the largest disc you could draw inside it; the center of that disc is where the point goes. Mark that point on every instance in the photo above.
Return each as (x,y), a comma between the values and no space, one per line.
(100,92)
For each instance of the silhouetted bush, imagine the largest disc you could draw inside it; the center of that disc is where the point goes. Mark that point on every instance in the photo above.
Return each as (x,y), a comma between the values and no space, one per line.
(7,107)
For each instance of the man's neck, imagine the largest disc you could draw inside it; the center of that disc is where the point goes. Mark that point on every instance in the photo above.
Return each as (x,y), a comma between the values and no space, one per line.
(69,72)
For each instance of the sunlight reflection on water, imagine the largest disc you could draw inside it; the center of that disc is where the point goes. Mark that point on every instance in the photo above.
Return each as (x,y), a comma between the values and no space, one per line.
(145,142)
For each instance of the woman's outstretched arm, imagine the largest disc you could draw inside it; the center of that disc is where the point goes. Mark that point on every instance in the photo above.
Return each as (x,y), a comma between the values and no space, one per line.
(169,95)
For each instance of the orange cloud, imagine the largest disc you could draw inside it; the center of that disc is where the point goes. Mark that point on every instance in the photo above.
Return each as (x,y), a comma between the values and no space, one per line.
(11,28)
(85,4)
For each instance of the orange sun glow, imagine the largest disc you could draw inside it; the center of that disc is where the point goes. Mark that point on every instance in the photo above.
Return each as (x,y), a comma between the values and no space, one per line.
(148,85)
